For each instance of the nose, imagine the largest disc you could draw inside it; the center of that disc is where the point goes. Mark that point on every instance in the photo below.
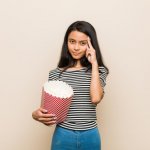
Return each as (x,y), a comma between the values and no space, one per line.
(76,47)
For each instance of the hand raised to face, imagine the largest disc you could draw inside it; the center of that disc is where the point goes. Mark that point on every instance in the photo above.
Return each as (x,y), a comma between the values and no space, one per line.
(90,53)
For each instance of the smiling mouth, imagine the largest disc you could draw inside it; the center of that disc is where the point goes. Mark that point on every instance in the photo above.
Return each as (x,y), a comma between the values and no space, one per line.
(76,54)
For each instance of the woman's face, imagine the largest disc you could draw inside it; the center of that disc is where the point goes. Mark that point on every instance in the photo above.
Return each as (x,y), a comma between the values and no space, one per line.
(77,44)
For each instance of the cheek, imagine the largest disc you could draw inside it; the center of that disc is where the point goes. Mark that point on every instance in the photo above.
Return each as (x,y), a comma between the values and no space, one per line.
(84,49)
(70,47)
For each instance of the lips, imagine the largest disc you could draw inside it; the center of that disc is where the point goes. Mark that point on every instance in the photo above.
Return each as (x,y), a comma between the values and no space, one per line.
(76,54)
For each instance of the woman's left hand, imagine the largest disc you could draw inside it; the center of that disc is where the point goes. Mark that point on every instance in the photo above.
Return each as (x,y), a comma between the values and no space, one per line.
(91,53)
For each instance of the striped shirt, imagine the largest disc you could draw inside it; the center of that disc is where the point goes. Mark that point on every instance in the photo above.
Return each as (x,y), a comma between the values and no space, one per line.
(82,113)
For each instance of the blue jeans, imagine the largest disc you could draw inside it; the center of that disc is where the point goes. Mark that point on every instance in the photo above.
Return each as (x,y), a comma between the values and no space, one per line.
(65,139)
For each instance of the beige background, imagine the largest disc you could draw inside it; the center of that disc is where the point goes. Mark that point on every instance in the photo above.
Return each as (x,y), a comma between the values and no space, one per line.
(31,35)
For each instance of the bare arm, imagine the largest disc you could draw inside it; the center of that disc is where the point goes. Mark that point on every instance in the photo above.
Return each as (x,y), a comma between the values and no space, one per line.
(96,90)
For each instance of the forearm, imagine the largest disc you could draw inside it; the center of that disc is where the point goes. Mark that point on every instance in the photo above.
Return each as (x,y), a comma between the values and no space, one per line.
(96,90)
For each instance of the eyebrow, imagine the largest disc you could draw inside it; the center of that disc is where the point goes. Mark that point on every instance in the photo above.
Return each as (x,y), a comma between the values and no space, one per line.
(79,41)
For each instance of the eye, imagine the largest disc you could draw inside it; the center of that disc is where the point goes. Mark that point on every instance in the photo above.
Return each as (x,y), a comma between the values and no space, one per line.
(71,41)
(83,43)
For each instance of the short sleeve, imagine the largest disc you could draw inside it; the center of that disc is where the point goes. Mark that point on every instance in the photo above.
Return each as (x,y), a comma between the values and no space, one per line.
(103,75)
(53,75)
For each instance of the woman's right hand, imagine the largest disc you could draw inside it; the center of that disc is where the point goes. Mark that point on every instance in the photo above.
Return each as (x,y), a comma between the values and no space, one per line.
(42,116)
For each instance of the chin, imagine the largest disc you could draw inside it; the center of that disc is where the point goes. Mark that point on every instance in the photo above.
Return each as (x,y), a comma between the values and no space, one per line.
(77,57)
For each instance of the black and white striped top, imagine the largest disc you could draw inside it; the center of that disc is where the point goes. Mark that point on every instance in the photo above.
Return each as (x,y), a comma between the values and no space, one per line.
(82,113)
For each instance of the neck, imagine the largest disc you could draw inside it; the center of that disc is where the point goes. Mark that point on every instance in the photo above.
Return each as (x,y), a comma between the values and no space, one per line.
(78,65)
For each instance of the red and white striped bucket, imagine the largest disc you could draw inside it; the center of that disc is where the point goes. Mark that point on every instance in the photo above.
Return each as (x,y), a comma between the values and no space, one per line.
(56,105)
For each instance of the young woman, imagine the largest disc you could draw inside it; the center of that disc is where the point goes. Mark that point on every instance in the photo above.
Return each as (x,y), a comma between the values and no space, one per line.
(82,67)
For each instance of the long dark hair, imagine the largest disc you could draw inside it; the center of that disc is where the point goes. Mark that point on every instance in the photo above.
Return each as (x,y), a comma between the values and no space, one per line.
(66,59)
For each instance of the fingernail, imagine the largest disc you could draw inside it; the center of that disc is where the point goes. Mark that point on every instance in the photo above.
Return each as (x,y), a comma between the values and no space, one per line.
(45,111)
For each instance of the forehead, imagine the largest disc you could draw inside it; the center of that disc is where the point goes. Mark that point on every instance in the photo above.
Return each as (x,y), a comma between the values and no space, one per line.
(76,35)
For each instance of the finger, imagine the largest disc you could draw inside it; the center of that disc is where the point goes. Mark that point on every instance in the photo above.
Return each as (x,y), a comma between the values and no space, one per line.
(89,58)
(47,119)
(50,123)
(89,43)
(51,119)
(88,46)
(47,115)
(87,52)
(43,110)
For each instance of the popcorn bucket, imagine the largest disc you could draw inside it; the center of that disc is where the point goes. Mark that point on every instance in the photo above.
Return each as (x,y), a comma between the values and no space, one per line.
(56,98)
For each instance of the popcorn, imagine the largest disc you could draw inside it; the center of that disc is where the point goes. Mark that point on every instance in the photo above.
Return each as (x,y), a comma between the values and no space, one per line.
(58,88)
(56,98)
